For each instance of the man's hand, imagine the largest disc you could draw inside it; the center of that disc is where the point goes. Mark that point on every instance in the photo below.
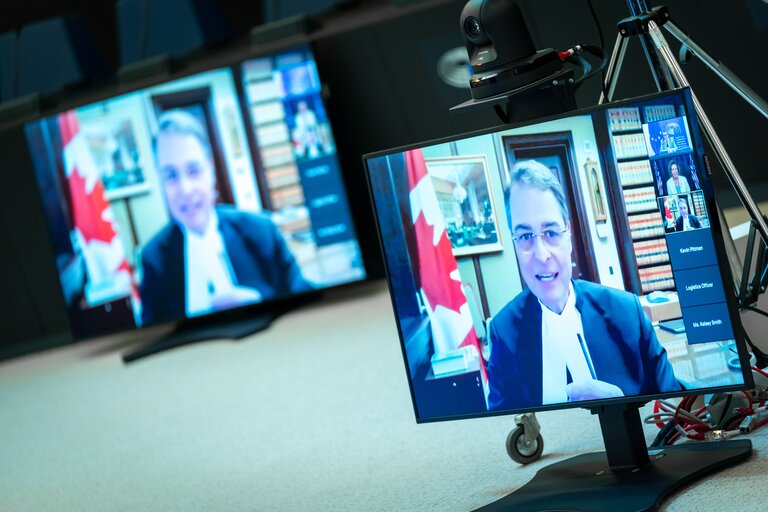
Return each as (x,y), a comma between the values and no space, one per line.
(236,296)
(591,389)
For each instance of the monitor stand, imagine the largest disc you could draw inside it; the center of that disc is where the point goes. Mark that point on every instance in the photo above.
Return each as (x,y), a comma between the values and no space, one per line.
(625,477)
(205,329)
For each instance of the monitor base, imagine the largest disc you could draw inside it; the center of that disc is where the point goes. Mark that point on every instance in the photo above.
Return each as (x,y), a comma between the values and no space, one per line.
(586,483)
(214,329)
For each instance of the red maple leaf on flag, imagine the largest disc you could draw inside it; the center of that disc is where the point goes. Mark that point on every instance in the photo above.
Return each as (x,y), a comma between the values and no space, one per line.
(88,209)
(667,211)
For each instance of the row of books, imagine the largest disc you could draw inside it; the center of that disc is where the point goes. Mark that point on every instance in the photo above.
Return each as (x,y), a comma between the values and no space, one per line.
(659,112)
(282,176)
(257,69)
(264,91)
(651,251)
(283,197)
(630,145)
(639,199)
(656,278)
(698,205)
(620,119)
(646,225)
(277,155)
(637,172)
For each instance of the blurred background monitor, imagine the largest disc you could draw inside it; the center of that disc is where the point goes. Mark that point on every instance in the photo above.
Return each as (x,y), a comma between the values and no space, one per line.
(240,201)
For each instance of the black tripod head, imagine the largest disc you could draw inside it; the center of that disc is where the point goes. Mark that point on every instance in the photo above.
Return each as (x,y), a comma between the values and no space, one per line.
(509,73)
(501,50)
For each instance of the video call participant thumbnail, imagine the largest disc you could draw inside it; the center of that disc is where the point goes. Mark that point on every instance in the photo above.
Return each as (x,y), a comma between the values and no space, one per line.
(676,184)
(560,339)
(208,257)
(686,220)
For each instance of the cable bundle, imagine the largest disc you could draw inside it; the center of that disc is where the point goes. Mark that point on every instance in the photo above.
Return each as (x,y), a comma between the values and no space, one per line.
(741,413)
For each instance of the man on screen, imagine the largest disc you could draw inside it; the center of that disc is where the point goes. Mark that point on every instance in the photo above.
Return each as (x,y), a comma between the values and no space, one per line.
(686,220)
(209,257)
(560,339)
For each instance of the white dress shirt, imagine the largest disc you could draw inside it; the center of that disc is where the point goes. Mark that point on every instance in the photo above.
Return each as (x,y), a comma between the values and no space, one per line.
(561,351)
(682,189)
(208,271)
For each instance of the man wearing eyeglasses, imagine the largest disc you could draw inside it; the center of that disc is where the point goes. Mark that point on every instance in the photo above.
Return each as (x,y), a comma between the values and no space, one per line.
(561,339)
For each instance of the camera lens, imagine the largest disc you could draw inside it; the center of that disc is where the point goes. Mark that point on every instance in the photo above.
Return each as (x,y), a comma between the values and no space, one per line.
(472,26)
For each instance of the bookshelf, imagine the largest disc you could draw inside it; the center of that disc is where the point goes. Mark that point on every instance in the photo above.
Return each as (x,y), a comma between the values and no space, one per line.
(268,115)
(264,95)
(638,192)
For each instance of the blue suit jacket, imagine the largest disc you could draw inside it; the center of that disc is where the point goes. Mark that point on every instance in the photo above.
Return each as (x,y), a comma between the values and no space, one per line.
(621,341)
(256,249)
(692,220)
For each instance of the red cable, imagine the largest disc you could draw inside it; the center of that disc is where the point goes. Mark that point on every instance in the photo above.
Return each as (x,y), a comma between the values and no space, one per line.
(656,408)
(685,402)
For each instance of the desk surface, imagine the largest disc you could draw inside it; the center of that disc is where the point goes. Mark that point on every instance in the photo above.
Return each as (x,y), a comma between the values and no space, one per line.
(314,414)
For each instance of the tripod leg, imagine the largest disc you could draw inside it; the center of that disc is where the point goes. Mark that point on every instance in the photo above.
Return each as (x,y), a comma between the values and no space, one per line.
(665,54)
(614,66)
(734,258)
(720,70)
(661,74)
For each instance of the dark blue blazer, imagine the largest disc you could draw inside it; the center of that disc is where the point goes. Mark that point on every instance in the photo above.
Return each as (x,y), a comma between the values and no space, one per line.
(621,341)
(692,220)
(256,249)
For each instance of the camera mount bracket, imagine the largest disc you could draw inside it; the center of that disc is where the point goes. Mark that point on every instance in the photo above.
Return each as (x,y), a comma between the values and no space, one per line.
(549,95)
(635,25)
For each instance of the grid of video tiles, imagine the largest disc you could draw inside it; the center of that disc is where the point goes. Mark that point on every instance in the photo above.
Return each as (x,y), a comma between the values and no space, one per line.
(660,184)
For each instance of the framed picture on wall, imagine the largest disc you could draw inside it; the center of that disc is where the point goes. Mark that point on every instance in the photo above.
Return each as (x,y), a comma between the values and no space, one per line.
(596,195)
(111,142)
(466,202)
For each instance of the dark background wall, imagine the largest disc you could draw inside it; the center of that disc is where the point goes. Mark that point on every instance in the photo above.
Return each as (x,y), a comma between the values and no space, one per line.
(732,32)
(384,91)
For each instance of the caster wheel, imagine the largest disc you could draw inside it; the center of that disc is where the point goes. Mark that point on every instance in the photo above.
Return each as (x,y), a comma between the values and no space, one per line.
(522,451)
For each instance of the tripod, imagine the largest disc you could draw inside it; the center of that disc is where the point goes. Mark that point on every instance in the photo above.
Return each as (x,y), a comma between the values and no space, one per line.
(646,24)
(667,74)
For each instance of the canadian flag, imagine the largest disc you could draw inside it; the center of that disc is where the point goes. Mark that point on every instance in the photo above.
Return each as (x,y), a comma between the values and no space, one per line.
(447,307)
(109,273)
(668,213)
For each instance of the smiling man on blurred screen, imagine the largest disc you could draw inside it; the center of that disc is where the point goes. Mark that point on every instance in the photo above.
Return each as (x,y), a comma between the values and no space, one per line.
(209,257)
(561,339)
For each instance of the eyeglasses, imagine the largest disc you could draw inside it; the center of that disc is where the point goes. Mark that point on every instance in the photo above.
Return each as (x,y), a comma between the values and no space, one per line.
(552,237)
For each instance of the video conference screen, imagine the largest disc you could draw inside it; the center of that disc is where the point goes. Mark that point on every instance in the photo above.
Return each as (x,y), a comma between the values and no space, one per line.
(558,263)
(211,192)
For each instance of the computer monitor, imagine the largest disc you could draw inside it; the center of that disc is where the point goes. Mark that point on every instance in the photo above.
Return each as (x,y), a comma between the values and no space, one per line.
(572,261)
(212,193)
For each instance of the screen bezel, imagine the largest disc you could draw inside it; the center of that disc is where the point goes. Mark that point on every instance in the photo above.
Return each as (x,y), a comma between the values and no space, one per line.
(685,95)
(211,63)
